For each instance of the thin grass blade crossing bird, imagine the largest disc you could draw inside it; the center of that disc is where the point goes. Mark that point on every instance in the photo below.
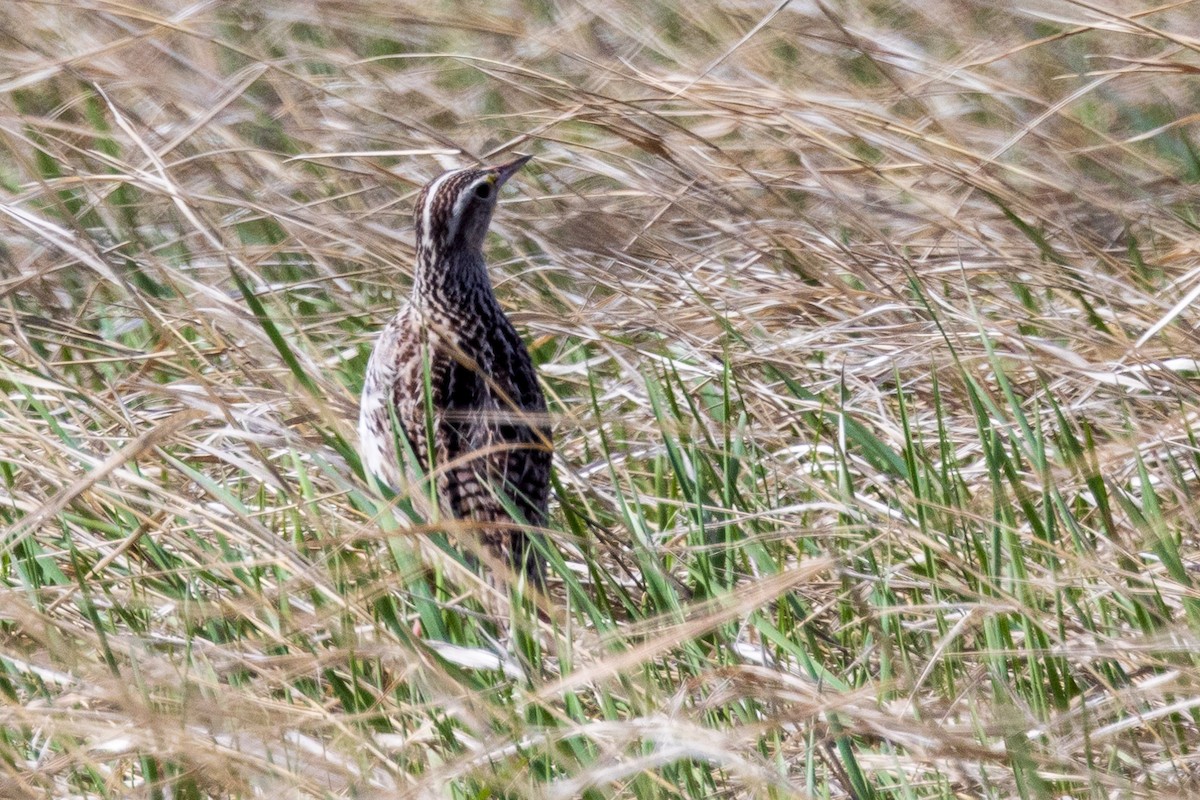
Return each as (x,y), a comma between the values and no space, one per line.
(450,378)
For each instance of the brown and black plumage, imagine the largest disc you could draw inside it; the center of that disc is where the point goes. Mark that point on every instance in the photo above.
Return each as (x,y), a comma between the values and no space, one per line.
(490,443)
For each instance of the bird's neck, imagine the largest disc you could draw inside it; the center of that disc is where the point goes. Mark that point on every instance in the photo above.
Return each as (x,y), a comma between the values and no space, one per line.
(454,285)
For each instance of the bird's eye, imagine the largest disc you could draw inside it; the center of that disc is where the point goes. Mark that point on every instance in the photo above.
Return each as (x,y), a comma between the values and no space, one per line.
(483,191)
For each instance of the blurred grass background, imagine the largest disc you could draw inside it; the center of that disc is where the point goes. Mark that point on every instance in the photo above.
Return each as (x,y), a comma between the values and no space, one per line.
(868,330)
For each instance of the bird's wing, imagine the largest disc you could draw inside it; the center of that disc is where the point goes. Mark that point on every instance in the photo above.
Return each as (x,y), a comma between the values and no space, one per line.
(462,394)
(499,419)
(523,436)
(492,458)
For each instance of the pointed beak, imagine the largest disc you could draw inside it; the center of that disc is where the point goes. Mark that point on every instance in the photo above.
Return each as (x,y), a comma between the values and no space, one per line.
(505,171)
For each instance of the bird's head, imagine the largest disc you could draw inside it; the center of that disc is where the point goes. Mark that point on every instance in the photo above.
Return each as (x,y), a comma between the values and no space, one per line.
(453,210)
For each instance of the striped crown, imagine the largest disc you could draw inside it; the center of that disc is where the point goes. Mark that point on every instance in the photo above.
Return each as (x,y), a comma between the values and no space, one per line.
(453,211)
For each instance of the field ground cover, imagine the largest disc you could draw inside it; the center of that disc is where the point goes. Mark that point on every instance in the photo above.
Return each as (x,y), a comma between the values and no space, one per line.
(868,332)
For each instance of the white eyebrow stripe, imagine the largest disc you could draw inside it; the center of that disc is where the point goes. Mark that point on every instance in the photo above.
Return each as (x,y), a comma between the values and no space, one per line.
(460,204)
(430,194)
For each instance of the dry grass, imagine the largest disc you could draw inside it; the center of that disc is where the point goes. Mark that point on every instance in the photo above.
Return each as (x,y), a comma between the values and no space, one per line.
(870,340)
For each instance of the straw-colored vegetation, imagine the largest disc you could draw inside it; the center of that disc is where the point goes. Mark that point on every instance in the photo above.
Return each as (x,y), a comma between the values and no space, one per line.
(869,338)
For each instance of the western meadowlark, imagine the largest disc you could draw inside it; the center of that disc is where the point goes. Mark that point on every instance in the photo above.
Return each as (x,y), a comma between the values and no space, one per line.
(451,382)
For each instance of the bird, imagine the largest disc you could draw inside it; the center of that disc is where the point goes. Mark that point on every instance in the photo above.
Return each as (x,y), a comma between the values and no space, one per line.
(451,382)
